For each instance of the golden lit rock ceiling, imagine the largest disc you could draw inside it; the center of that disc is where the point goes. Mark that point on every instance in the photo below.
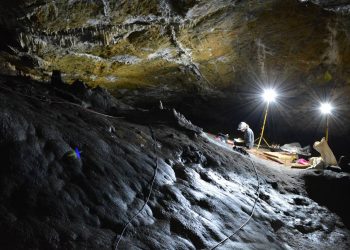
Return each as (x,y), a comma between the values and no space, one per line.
(176,44)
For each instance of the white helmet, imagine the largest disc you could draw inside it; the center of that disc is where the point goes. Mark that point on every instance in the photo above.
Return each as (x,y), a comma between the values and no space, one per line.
(242,126)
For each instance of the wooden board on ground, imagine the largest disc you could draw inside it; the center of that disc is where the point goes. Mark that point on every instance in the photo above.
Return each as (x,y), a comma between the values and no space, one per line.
(281,157)
(300,166)
(258,153)
(275,159)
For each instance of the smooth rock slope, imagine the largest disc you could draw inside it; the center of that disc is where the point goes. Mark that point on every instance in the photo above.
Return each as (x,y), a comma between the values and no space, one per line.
(50,198)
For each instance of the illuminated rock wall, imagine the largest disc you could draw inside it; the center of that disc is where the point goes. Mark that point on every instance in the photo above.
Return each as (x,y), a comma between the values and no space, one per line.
(179,44)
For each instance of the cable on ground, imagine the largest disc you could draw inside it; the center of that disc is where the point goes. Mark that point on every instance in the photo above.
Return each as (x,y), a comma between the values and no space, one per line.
(253,209)
(150,191)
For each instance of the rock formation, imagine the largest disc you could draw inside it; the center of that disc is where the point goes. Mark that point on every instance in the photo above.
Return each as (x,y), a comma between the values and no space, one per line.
(208,43)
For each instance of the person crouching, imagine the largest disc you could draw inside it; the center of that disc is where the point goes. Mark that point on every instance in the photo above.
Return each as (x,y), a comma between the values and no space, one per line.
(248,134)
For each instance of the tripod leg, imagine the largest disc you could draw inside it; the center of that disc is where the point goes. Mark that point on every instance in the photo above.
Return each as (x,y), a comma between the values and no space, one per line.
(266,142)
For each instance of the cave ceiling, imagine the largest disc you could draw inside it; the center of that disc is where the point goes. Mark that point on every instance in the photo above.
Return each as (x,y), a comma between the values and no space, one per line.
(177,44)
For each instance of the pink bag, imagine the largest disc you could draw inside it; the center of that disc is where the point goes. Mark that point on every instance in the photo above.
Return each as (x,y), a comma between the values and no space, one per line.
(302,161)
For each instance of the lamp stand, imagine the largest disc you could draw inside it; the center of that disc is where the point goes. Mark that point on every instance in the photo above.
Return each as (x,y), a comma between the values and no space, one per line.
(327,125)
(263,127)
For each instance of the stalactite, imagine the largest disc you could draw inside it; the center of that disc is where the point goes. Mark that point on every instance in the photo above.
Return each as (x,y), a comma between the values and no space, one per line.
(185,57)
(106,8)
(331,55)
(21,40)
(262,51)
(261,56)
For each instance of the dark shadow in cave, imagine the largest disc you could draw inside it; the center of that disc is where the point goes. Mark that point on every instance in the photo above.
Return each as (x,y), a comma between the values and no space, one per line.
(331,190)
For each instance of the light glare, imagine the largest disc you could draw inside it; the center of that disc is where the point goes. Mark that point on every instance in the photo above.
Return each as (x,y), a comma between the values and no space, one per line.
(326,108)
(269,95)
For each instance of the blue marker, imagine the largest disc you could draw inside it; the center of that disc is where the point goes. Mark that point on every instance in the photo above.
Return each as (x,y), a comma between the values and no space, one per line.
(77,153)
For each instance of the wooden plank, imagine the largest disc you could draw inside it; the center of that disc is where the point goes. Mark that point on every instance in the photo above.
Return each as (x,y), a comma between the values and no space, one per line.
(281,158)
(281,155)
(286,159)
(257,153)
(300,166)
(275,159)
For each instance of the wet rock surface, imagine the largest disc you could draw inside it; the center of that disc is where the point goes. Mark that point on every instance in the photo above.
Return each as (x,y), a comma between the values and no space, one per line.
(53,198)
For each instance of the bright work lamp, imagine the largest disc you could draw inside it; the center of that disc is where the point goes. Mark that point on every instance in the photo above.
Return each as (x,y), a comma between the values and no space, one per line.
(326,109)
(269,96)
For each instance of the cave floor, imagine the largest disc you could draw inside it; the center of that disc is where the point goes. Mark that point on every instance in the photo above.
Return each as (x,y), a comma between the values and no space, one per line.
(52,198)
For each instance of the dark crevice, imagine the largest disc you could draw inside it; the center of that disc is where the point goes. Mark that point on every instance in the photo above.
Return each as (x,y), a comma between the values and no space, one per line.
(331,191)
